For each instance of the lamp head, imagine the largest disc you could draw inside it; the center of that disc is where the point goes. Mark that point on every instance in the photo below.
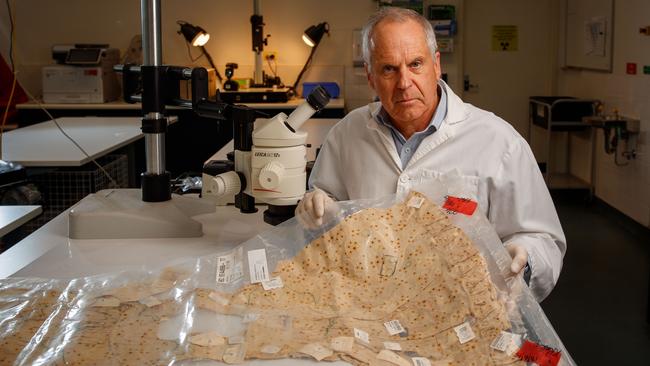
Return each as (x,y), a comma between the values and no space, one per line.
(314,33)
(194,34)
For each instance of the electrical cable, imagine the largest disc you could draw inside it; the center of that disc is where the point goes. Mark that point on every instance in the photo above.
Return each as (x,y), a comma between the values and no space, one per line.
(274,72)
(40,105)
(11,23)
(294,87)
(6,113)
(189,52)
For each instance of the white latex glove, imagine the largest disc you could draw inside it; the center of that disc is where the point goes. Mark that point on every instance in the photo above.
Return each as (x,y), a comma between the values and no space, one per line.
(519,256)
(311,208)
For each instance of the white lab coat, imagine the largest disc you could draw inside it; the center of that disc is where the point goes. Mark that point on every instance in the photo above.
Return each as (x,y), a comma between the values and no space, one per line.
(359,160)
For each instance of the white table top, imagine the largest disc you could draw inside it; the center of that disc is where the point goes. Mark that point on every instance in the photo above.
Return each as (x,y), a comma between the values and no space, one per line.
(43,144)
(11,217)
(49,253)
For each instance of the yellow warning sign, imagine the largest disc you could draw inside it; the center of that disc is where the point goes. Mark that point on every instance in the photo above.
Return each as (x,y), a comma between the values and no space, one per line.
(505,38)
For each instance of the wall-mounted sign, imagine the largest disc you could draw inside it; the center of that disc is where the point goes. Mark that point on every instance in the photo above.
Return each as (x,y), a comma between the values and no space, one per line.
(505,38)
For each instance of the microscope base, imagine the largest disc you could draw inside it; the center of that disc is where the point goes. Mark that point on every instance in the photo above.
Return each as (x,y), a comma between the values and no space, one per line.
(275,215)
(121,214)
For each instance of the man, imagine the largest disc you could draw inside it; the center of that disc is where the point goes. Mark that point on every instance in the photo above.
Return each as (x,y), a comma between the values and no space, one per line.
(421,130)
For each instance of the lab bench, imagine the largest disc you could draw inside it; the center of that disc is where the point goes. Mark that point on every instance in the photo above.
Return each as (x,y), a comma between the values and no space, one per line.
(189,143)
(63,173)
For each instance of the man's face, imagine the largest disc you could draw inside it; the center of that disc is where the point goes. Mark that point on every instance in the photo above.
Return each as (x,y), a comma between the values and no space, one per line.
(404,74)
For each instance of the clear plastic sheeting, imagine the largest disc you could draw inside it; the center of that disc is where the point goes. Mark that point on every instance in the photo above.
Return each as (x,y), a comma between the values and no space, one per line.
(397,281)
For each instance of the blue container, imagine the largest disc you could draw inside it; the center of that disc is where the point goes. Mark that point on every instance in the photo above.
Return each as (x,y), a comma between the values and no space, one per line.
(331,87)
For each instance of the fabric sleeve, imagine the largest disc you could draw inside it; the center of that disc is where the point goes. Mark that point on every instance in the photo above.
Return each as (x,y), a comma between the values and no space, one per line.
(326,173)
(522,211)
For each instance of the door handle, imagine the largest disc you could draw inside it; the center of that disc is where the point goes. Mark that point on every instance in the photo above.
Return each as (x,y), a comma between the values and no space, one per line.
(467,85)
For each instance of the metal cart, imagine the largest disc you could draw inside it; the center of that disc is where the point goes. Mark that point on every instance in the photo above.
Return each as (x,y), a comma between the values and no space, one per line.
(560,114)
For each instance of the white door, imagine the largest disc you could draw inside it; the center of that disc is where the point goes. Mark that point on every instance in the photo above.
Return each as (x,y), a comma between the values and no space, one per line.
(502,81)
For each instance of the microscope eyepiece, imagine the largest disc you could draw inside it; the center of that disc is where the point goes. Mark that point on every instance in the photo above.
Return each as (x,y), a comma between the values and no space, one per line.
(318,98)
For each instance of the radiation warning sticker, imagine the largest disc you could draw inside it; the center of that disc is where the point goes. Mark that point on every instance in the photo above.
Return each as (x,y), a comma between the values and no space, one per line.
(505,38)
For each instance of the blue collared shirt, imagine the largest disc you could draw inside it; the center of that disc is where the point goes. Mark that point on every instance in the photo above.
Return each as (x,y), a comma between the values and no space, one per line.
(406,148)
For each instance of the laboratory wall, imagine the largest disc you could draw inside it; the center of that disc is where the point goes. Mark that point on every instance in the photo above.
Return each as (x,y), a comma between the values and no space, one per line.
(40,23)
(627,188)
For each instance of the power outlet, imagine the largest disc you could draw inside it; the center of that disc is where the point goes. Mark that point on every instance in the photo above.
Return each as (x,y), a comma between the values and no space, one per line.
(270,55)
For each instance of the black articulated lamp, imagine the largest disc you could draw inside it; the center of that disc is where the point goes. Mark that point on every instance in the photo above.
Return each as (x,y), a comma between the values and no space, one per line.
(198,37)
(312,37)
(314,34)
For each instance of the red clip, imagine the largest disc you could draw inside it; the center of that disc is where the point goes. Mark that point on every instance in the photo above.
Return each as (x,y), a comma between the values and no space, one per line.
(461,205)
(541,355)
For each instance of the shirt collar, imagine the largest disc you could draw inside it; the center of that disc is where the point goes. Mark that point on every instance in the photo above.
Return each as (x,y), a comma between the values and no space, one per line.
(382,117)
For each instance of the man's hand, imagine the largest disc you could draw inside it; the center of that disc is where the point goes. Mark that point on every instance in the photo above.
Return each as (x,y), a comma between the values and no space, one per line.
(519,256)
(311,209)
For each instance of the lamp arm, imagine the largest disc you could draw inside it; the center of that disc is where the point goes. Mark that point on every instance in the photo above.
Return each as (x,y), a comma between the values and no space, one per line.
(304,68)
(207,55)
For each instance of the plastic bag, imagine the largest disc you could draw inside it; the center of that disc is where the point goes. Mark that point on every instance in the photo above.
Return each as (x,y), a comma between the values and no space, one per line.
(394,281)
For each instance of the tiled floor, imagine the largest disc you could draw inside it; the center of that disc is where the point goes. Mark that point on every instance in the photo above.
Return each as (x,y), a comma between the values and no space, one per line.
(599,304)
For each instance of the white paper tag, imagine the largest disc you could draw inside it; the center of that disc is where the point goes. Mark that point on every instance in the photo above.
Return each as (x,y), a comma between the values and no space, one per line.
(238,268)
(421,361)
(507,342)
(415,202)
(273,283)
(257,265)
(342,344)
(225,266)
(250,317)
(394,327)
(361,336)
(393,346)
(229,266)
(464,333)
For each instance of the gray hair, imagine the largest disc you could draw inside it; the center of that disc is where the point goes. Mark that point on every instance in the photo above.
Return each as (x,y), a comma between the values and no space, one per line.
(399,15)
